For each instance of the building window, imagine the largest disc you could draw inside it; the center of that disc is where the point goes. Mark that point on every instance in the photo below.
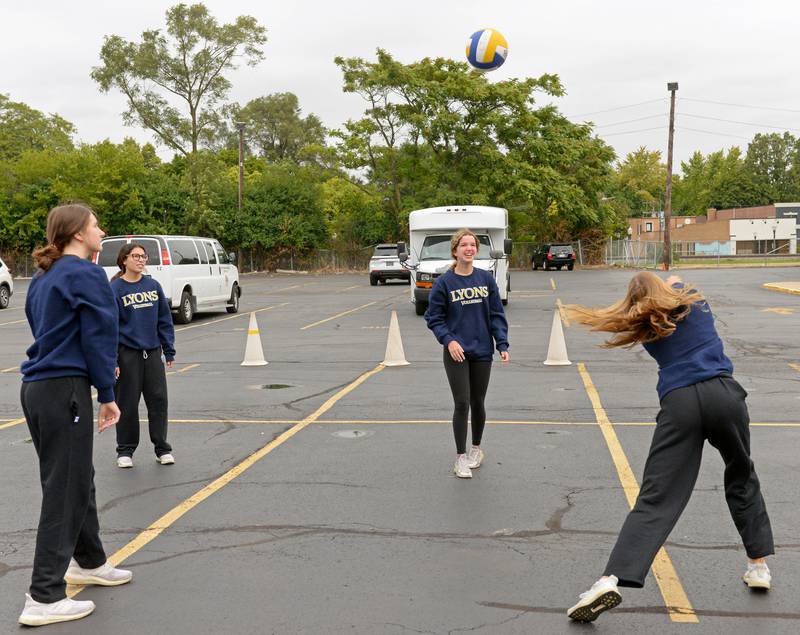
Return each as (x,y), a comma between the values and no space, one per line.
(648,227)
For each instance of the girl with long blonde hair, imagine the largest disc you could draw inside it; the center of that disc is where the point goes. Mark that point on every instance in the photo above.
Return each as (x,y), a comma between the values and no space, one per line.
(700,400)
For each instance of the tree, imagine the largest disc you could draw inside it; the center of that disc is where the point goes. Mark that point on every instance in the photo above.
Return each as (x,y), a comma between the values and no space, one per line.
(772,159)
(275,129)
(435,132)
(22,128)
(641,179)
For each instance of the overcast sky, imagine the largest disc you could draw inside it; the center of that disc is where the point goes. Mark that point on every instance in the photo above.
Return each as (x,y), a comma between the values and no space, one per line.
(609,54)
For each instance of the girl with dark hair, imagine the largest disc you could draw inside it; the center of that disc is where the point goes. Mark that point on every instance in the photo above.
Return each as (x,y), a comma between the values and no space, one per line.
(145,331)
(465,314)
(700,400)
(73,317)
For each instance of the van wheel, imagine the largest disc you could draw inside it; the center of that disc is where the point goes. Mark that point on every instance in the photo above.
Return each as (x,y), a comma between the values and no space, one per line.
(420,308)
(233,306)
(5,297)
(185,311)
(373,280)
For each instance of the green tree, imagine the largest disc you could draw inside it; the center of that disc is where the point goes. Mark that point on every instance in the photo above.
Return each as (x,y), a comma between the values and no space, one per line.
(174,81)
(275,129)
(354,214)
(22,128)
(774,161)
(435,132)
(641,180)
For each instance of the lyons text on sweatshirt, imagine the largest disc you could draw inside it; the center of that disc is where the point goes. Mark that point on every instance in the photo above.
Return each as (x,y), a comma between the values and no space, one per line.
(468,309)
(73,316)
(693,353)
(145,321)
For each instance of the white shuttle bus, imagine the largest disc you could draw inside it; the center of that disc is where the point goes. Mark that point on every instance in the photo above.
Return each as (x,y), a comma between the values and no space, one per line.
(427,255)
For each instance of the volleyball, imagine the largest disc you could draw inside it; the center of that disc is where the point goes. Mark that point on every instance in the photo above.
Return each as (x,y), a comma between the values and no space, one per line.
(487,49)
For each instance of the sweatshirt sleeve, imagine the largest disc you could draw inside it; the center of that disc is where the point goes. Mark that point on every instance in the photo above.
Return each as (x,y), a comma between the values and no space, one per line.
(497,317)
(436,315)
(94,302)
(166,330)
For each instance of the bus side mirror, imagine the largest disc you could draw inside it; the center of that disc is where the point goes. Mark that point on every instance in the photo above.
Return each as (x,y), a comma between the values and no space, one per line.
(507,243)
(496,254)
(402,254)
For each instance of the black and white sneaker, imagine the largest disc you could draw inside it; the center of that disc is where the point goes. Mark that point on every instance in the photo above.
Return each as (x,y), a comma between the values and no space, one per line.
(602,596)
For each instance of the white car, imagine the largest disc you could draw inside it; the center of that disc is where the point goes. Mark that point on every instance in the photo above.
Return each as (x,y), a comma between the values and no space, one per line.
(6,285)
(384,265)
(196,273)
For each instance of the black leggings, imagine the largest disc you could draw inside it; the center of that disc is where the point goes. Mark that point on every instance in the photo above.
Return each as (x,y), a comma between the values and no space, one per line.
(468,382)
(715,410)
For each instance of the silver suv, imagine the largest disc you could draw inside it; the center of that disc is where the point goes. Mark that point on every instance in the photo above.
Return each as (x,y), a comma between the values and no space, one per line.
(6,285)
(385,265)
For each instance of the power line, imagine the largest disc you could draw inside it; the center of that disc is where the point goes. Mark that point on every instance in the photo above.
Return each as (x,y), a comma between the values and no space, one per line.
(619,123)
(743,123)
(612,134)
(597,112)
(721,134)
(724,103)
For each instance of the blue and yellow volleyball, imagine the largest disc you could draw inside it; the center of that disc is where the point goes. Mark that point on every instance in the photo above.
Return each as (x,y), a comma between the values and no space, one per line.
(487,49)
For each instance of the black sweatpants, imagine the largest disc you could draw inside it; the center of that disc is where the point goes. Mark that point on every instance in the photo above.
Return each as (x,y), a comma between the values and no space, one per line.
(141,373)
(61,422)
(714,409)
(468,383)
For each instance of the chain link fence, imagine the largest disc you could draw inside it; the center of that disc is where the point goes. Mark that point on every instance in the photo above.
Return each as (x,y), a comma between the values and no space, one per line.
(650,254)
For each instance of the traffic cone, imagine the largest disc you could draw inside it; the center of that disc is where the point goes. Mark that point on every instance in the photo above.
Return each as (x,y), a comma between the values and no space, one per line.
(253,352)
(394,345)
(557,351)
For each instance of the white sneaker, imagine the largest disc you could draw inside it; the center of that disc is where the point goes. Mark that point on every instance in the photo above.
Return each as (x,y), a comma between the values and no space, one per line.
(602,596)
(166,459)
(124,461)
(461,468)
(475,457)
(39,613)
(104,575)
(757,576)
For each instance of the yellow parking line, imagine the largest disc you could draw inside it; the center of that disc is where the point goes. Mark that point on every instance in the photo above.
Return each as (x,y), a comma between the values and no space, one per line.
(562,312)
(12,423)
(553,284)
(232,317)
(355,286)
(333,317)
(795,366)
(163,523)
(10,323)
(183,370)
(675,598)
(10,370)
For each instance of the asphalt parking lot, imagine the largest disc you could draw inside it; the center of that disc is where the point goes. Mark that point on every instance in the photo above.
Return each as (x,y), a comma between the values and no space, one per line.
(315,494)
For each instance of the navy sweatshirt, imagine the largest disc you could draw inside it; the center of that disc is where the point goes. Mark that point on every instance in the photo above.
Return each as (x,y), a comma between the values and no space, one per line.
(468,309)
(693,353)
(145,321)
(73,317)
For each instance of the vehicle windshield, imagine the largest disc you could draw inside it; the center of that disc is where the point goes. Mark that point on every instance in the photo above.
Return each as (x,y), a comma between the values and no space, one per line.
(438,248)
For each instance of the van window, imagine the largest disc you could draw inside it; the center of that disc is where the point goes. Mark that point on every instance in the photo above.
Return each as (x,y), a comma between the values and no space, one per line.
(183,251)
(108,257)
(203,254)
(221,255)
(212,258)
(151,248)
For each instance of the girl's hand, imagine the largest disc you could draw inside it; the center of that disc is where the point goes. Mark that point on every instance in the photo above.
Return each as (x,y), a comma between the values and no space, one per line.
(456,352)
(673,279)
(170,363)
(108,416)
(116,373)
(504,356)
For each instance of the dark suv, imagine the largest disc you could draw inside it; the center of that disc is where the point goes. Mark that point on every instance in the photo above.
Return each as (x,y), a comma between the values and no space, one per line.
(553,256)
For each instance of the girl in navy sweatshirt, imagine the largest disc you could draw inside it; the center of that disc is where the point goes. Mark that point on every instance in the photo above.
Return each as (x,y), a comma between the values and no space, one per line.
(700,400)
(145,331)
(73,317)
(465,314)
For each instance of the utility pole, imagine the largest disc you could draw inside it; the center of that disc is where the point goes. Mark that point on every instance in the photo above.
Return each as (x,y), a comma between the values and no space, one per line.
(671,87)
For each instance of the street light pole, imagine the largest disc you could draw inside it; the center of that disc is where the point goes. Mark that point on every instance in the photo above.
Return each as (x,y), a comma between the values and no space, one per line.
(671,87)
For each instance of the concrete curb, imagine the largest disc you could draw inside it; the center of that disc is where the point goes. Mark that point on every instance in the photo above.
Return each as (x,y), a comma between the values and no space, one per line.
(783,287)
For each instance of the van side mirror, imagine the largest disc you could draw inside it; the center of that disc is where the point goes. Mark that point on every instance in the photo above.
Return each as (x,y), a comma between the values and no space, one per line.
(507,244)
(401,247)
(496,254)
(403,256)
(232,257)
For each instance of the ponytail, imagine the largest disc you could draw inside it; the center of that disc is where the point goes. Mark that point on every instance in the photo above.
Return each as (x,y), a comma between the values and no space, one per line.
(63,222)
(46,256)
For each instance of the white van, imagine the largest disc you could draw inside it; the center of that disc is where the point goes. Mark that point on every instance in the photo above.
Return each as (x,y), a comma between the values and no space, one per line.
(196,273)
(428,253)
(6,285)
